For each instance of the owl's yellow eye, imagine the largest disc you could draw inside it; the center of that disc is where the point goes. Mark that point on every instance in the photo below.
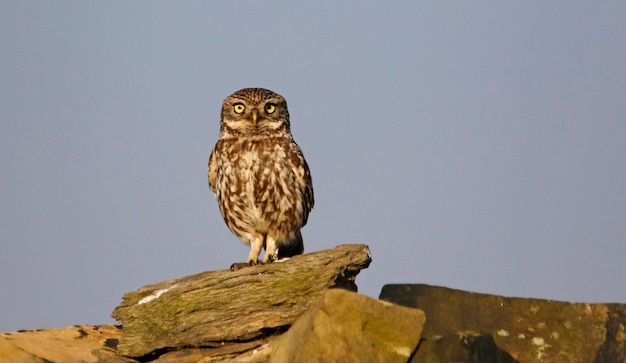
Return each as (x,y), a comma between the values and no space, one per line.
(270,108)
(238,107)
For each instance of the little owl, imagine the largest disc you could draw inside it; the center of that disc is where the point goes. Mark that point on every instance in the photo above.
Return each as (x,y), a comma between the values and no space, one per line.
(259,176)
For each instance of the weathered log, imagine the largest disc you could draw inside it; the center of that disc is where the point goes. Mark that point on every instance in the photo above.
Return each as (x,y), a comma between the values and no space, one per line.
(219,307)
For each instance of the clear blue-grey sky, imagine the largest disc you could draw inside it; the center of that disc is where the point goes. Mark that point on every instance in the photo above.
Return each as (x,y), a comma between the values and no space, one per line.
(474,145)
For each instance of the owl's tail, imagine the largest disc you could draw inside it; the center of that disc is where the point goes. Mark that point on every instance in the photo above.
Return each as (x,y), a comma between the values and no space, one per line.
(291,248)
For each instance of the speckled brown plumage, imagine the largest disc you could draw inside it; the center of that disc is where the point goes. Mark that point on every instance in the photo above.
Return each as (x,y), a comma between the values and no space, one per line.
(259,176)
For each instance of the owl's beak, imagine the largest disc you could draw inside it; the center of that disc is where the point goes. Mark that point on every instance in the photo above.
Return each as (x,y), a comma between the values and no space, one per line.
(255,116)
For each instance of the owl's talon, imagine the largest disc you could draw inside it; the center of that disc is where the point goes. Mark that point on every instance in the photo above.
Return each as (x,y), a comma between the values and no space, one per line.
(239,265)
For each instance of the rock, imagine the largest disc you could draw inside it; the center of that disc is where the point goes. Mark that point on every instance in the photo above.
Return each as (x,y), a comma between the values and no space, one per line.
(227,308)
(79,343)
(9,352)
(286,311)
(251,352)
(461,326)
(348,327)
(465,347)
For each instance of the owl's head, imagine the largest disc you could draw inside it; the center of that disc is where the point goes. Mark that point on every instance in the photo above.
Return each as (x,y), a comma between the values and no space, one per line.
(254,111)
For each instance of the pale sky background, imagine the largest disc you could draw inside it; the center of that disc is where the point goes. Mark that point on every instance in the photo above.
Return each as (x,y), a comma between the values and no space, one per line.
(475,145)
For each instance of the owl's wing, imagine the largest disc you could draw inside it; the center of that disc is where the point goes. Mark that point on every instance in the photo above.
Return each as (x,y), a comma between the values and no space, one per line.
(303,177)
(212,170)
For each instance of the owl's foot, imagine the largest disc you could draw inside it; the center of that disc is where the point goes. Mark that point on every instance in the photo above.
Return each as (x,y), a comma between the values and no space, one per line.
(271,257)
(239,265)
(271,250)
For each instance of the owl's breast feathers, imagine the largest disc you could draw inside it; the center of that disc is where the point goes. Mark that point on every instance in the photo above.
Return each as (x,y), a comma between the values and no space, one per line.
(268,182)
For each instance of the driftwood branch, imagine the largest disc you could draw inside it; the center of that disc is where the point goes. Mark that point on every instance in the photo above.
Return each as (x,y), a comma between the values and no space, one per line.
(211,309)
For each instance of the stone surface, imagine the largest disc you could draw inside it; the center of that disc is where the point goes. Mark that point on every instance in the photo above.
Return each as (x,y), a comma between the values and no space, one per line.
(285,312)
(214,309)
(348,327)
(75,344)
(256,351)
(527,330)
(9,352)
(463,347)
